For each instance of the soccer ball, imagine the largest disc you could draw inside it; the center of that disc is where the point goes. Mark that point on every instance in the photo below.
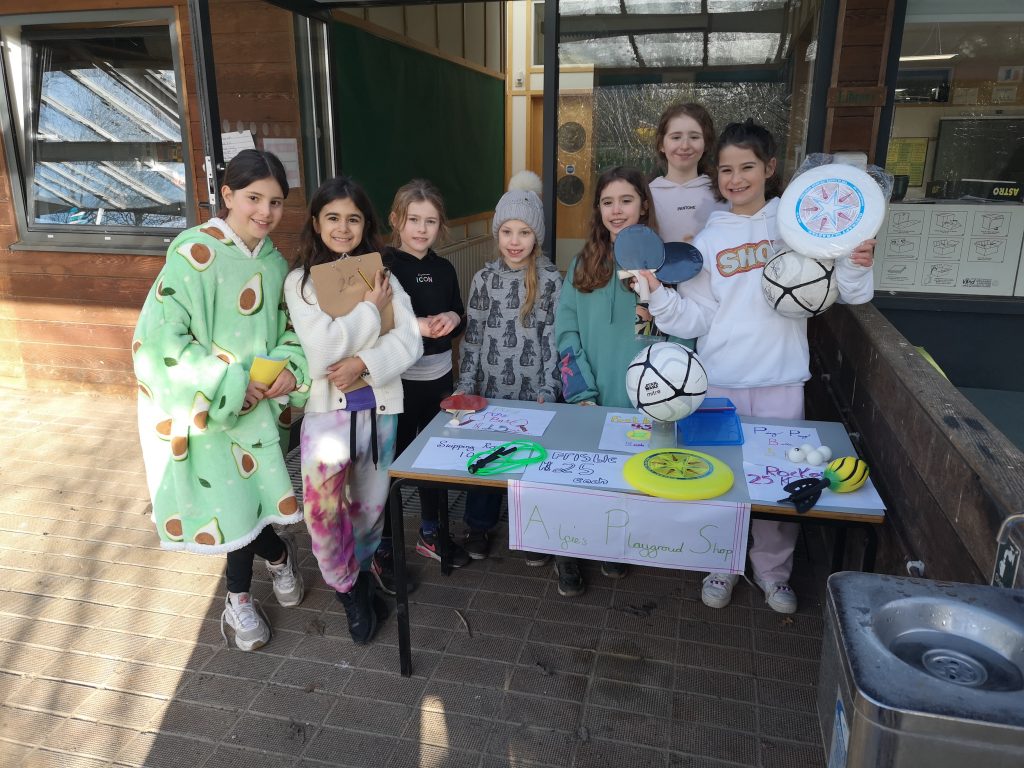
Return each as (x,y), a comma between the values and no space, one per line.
(798,286)
(666,381)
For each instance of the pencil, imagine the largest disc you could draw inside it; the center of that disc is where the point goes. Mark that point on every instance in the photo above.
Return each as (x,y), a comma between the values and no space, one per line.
(368,284)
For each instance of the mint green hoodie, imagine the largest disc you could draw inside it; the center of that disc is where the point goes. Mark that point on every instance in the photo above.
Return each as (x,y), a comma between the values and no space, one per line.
(596,340)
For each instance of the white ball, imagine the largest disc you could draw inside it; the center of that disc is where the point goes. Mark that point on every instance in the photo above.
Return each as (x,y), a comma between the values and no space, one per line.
(806,448)
(796,286)
(826,453)
(666,381)
(814,458)
(796,455)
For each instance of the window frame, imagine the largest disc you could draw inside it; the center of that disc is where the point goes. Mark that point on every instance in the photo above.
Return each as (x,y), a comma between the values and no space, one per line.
(17,141)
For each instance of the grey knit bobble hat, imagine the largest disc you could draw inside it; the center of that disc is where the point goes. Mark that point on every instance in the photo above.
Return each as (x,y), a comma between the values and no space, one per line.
(521,204)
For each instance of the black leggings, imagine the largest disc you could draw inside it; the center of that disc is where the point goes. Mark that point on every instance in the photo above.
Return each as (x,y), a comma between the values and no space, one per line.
(267,545)
(422,402)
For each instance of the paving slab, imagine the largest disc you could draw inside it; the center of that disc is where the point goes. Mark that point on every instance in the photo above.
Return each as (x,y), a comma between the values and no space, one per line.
(111,652)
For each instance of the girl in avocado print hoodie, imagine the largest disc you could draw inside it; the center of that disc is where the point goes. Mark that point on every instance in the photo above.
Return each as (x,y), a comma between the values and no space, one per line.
(212,438)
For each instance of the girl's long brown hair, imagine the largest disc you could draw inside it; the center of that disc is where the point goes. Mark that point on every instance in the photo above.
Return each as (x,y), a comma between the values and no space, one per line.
(596,263)
(312,250)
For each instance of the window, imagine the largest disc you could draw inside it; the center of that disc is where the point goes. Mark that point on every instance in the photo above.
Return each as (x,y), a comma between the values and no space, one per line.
(956,149)
(94,129)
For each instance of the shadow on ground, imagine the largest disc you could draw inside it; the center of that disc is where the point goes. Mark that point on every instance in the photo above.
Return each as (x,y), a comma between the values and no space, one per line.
(111,651)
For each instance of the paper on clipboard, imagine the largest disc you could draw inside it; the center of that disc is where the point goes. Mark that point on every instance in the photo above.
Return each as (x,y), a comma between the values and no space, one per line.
(341,285)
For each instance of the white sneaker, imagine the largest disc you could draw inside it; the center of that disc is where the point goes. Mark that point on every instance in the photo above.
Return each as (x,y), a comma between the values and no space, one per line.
(243,615)
(716,590)
(778,594)
(287,577)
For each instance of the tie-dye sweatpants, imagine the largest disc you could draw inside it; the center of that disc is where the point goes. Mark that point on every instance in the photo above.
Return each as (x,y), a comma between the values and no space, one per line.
(343,496)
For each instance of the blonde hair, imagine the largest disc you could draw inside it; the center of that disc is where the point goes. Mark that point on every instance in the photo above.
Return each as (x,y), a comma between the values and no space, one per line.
(416,191)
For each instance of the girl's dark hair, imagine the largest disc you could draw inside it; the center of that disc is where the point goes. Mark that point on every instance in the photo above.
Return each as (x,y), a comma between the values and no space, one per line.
(312,250)
(707,126)
(251,165)
(759,140)
(596,263)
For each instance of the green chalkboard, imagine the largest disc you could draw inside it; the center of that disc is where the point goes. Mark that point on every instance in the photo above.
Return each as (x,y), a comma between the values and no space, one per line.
(403,114)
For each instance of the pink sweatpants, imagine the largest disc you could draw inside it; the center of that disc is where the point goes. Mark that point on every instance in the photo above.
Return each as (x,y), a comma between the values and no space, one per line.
(771,554)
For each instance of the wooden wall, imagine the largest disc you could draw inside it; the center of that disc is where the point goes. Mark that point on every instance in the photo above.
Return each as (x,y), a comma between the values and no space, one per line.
(857,92)
(66,319)
(948,476)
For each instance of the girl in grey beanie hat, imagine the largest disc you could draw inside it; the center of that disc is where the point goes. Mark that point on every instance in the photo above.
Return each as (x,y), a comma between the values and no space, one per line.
(508,351)
(521,202)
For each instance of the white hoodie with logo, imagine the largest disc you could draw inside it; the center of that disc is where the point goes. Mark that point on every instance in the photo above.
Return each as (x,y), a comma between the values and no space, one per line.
(743,342)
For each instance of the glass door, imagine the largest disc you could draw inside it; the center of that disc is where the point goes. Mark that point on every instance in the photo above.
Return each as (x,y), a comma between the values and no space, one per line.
(621,63)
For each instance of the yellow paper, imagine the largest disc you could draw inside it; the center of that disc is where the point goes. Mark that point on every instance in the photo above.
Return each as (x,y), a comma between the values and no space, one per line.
(265,370)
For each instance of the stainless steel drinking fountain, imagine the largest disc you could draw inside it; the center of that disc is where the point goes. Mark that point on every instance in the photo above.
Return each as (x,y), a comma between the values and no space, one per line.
(921,673)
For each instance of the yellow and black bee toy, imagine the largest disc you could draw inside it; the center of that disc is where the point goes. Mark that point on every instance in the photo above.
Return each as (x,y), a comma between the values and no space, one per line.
(841,476)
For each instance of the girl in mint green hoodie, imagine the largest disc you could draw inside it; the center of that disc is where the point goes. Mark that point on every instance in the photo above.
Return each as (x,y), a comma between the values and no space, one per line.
(212,437)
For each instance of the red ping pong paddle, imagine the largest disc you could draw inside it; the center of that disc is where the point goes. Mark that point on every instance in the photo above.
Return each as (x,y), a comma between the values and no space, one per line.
(460,405)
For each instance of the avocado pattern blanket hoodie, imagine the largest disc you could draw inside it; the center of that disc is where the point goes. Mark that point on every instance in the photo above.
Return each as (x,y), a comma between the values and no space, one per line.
(216,473)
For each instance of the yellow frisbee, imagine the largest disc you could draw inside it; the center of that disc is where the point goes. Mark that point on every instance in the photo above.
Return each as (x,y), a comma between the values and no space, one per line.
(677,473)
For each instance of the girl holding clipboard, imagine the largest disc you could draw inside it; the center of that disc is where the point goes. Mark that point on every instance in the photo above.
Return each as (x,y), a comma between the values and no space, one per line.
(356,358)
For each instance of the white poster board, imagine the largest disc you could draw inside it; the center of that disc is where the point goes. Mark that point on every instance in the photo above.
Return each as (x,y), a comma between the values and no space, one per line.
(508,420)
(627,432)
(628,528)
(445,453)
(767,469)
(581,469)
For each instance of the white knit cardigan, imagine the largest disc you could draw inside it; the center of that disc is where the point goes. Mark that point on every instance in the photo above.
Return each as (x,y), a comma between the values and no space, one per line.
(327,340)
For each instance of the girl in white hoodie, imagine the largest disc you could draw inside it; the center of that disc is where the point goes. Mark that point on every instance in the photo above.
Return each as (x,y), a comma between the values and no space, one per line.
(753,355)
(348,435)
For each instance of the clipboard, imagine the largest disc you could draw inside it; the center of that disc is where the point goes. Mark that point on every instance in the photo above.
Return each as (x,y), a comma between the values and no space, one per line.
(341,284)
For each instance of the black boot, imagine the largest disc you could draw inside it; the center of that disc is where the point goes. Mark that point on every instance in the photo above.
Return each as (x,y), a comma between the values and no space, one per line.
(362,619)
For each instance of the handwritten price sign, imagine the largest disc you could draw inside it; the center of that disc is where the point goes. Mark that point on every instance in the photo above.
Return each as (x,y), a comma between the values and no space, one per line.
(514,421)
(581,469)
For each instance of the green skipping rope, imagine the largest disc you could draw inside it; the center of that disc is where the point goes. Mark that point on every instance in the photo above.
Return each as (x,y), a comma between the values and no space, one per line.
(494,461)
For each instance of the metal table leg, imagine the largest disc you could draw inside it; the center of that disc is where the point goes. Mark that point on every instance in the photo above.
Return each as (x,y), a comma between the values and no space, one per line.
(401,585)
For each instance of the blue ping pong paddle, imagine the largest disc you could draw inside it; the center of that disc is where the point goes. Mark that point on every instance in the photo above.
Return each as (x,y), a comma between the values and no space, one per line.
(639,247)
(682,262)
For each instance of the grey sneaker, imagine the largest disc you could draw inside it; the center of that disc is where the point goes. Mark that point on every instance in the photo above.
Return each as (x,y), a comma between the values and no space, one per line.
(716,591)
(287,577)
(778,594)
(242,613)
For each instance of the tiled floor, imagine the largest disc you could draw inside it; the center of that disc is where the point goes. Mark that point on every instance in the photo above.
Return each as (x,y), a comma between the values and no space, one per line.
(111,653)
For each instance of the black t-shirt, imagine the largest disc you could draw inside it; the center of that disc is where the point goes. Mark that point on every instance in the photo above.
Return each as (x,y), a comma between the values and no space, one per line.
(433,287)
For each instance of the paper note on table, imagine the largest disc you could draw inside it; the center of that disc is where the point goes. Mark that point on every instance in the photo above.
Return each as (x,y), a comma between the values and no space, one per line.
(265,370)
(626,432)
(581,469)
(767,469)
(445,453)
(514,421)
